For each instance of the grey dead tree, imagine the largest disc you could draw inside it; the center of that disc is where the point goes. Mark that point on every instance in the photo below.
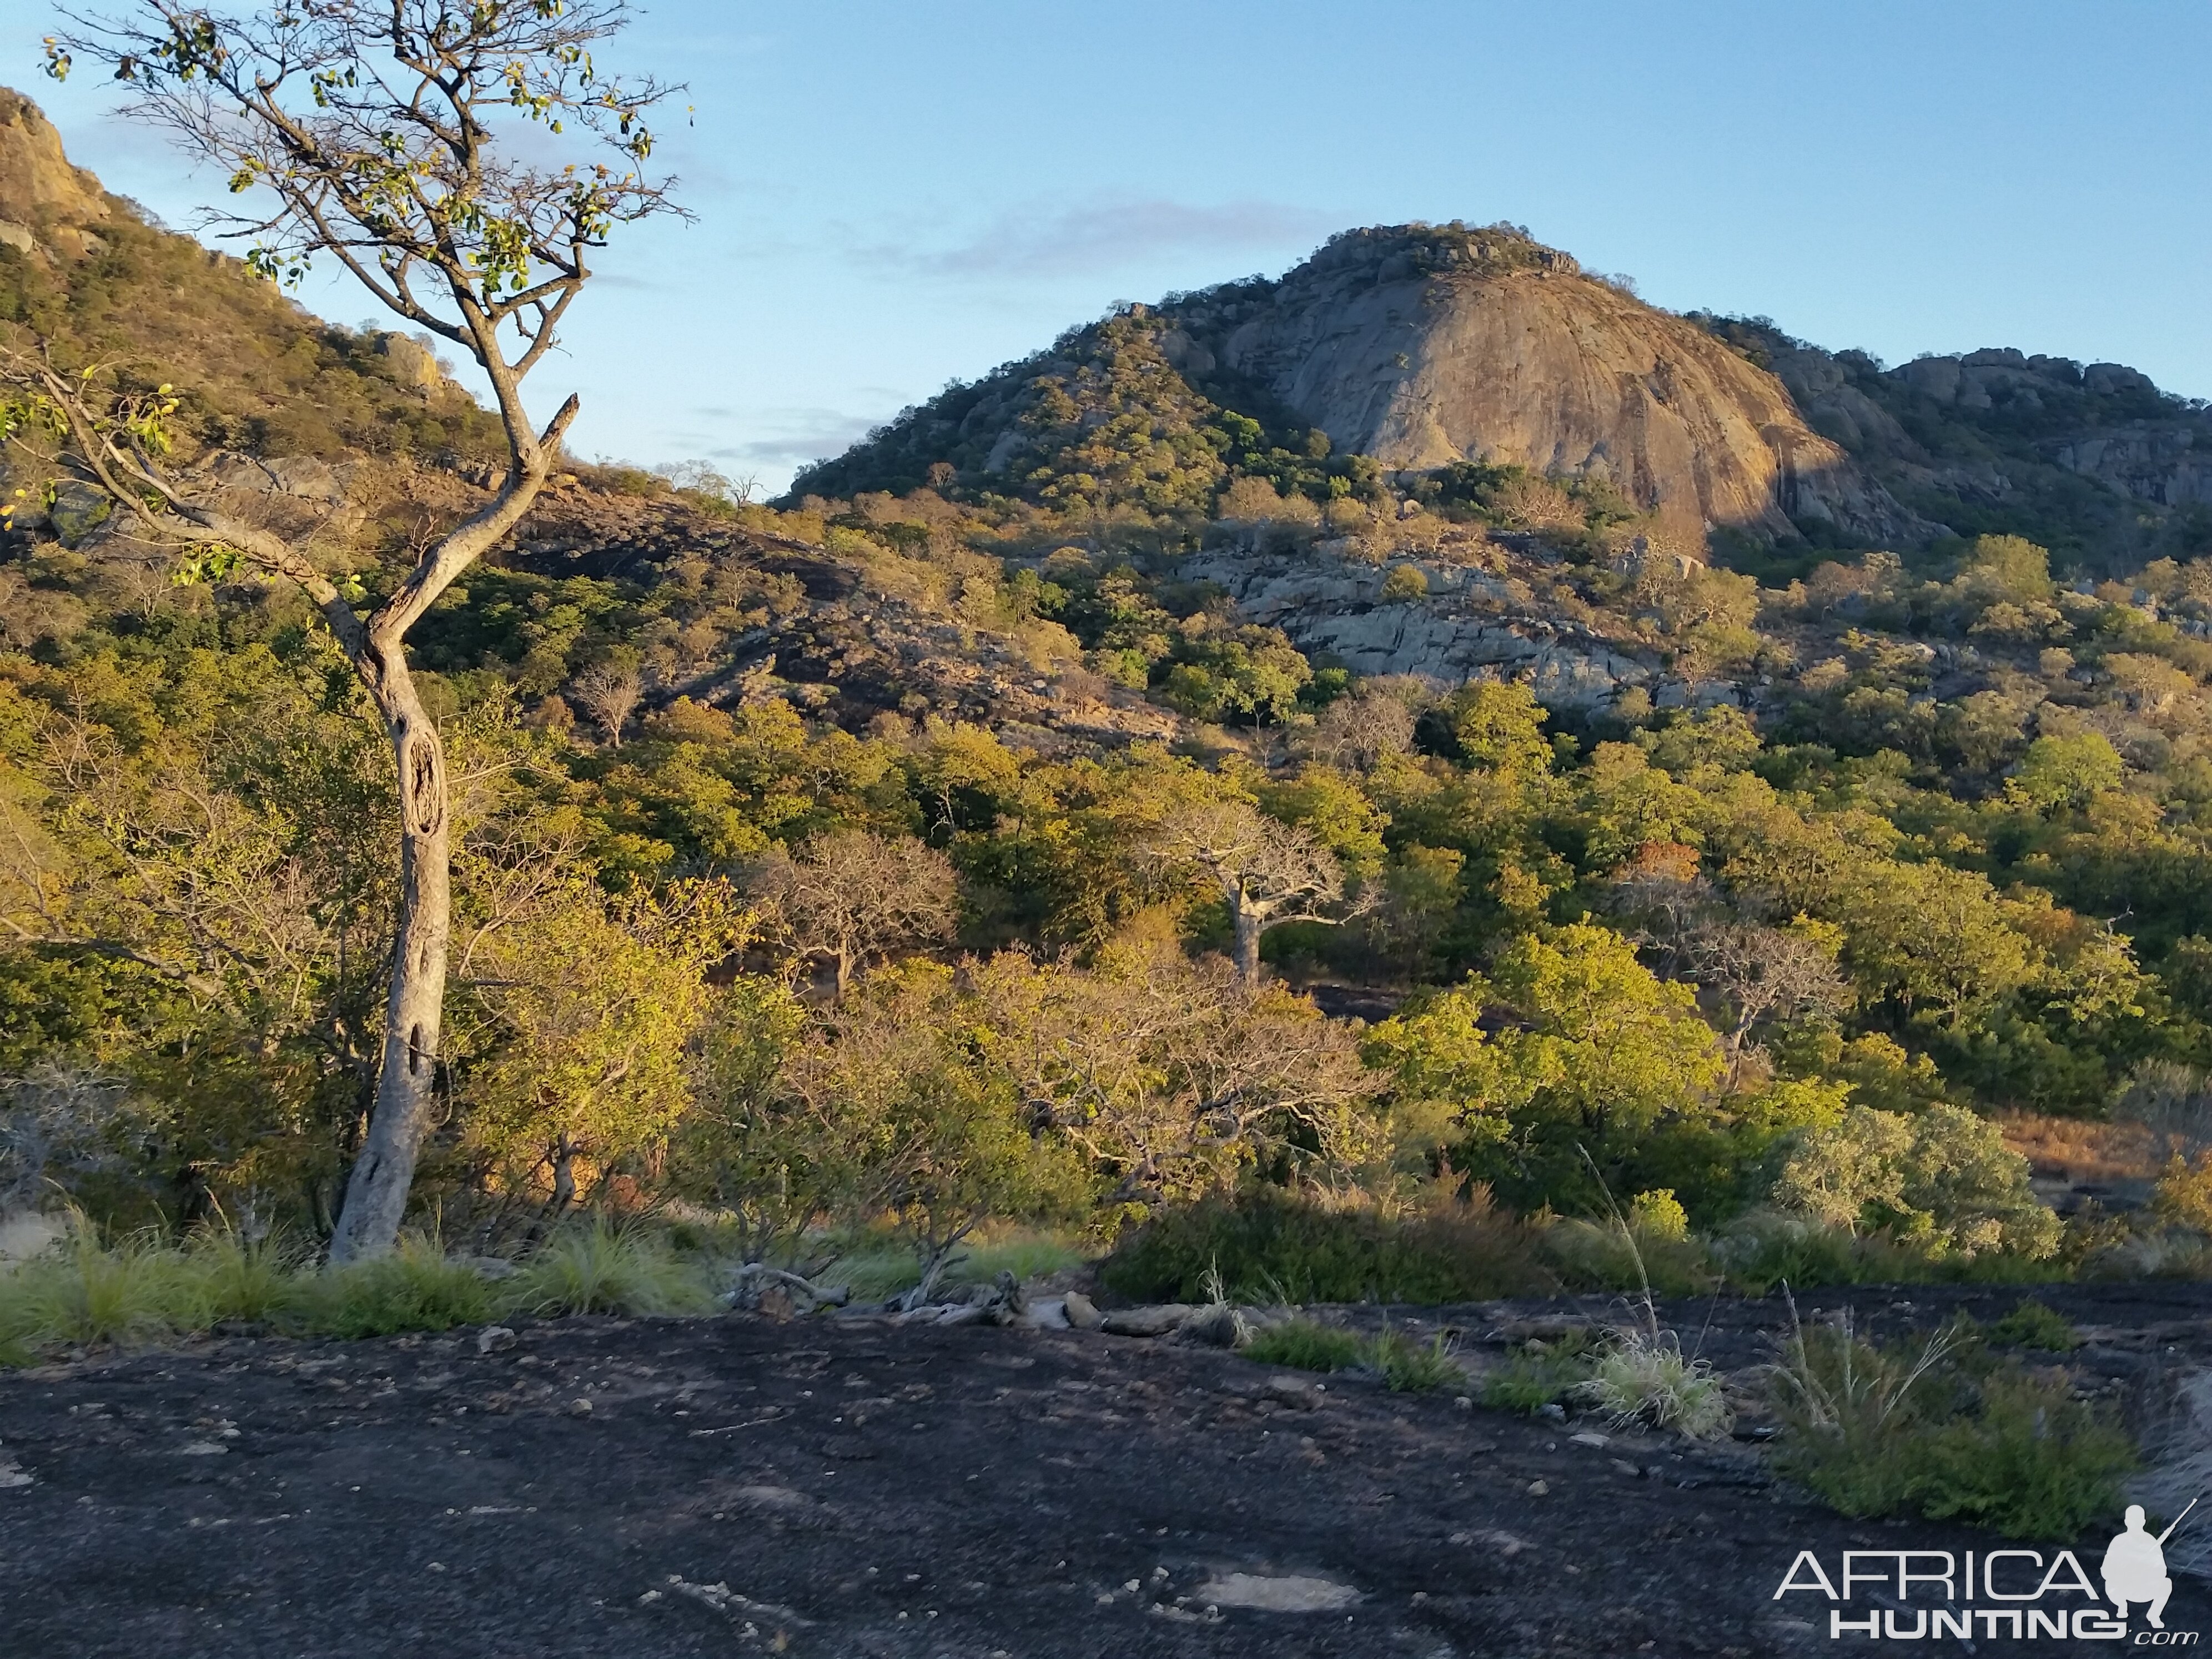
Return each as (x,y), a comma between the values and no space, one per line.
(1764,973)
(383,134)
(609,692)
(1267,871)
(849,897)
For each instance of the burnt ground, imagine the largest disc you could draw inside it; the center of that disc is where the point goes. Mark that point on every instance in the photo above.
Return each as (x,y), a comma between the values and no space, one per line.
(845,1486)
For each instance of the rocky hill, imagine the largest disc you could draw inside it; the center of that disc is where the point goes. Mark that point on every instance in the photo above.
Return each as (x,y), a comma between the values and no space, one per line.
(91,274)
(1414,349)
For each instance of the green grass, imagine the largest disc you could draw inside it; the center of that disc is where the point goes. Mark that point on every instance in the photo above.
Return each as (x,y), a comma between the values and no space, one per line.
(1411,1367)
(1304,1344)
(417,1287)
(1939,1427)
(1540,1374)
(1404,1365)
(1273,1247)
(877,1265)
(84,1291)
(603,1268)
(2032,1325)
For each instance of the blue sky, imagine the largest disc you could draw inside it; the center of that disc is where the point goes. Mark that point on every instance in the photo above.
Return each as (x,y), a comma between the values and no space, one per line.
(893,195)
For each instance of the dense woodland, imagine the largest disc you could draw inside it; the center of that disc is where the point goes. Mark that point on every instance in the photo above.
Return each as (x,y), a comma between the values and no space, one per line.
(1915,843)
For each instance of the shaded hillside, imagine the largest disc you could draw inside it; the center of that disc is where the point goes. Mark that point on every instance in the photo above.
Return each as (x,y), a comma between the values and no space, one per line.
(2092,461)
(86,272)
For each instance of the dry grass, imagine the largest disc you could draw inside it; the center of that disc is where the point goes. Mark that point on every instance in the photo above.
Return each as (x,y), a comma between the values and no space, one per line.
(2082,1151)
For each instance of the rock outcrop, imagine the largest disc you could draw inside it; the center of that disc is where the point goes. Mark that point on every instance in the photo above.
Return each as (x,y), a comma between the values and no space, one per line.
(44,201)
(1469,625)
(1421,346)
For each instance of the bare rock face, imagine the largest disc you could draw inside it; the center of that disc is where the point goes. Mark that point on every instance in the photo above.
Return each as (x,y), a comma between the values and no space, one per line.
(43,199)
(1422,346)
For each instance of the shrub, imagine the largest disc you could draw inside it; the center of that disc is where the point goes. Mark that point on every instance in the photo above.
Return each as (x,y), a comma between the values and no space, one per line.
(1272,1246)
(601,1268)
(1304,1344)
(2031,1325)
(2032,1461)
(1943,1178)
(1884,1429)
(1610,1255)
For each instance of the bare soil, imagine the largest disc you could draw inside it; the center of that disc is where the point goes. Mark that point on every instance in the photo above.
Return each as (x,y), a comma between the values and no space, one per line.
(845,1486)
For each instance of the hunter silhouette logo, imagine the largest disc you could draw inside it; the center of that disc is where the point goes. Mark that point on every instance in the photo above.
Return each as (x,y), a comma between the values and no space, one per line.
(2135,1567)
(2021,1595)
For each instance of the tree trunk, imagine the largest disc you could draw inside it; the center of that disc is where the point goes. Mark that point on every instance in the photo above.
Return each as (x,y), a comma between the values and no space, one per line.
(1247,922)
(376,1193)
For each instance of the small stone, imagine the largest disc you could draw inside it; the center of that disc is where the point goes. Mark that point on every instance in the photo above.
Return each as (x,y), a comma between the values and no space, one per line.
(202,1449)
(1294,1391)
(1588,1438)
(1464,1402)
(579,1408)
(1557,1413)
(1538,1489)
(1629,1469)
(494,1339)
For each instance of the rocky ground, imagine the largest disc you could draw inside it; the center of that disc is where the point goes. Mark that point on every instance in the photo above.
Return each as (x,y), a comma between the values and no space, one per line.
(846,1486)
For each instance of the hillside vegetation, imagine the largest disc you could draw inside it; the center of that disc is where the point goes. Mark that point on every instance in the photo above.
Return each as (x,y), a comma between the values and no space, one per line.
(945,848)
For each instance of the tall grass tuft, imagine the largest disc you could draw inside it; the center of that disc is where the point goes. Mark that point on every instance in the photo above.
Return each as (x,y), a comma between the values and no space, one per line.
(417,1287)
(1410,1367)
(1942,1430)
(85,1289)
(603,1268)
(1304,1344)
(1649,1380)
(236,1278)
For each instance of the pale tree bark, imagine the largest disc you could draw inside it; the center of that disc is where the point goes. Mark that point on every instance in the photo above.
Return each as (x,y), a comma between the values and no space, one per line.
(375,129)
(1267,871)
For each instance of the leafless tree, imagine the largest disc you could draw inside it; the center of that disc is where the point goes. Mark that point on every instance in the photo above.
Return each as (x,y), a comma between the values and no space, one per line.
(609,692)
(1764,974)
(849,897)
(382,135)
(2174,1101)
(1267,871)
(57,1120)
(1364,729)
(1175,1074)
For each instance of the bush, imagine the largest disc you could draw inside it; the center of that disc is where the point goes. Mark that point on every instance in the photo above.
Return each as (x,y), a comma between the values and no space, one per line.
(1939,1431)
(1304,1344)
(1272,1246)
(2031,1325)
(2031,1463)
(1607,1255)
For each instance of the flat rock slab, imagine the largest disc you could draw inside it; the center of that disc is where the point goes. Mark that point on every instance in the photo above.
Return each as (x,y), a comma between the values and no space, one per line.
(847,1489)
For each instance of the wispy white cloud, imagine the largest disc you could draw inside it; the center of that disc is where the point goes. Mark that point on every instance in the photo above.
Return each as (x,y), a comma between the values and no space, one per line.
(1058,241)
(780,440)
